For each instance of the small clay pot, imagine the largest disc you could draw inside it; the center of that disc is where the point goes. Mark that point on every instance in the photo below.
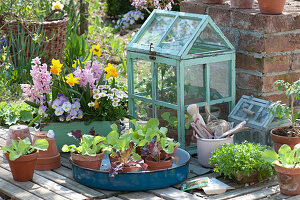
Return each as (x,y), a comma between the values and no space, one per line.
(90,162)
(153,165)
(278,141)
(289,180)
(131,169)
(17,132)
(49,159)
(22,168)
(271,7)
(244,178)
(243,4)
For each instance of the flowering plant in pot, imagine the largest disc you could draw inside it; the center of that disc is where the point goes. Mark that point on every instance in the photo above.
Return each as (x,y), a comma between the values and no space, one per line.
(89,153)
(287,166)
(241,162)
(289,135)
(22,157)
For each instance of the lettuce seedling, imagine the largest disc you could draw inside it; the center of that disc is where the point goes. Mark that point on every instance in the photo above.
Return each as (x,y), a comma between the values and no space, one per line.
(24,147)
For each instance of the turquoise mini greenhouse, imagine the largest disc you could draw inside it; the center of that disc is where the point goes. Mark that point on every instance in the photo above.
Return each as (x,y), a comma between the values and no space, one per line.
(177,59)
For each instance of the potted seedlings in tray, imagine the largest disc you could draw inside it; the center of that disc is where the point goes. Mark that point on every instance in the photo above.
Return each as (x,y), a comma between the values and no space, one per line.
(287,166)
(22,157)
(289,135)
(241,162)
(89,153)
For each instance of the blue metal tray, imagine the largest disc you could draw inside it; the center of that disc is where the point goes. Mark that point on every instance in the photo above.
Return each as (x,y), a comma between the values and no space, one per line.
(131,181)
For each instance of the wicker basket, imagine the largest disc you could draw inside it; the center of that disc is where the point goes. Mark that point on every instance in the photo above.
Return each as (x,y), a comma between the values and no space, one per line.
(53,29)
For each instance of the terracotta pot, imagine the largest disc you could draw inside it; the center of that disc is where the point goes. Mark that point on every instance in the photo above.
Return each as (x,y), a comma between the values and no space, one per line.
(244,178)
(22,168)
(213,1)
(244,4)
(206,146)
(271,7)
(280,140)
(90,162)
(163,154)
(131,169)
(49,159)
(289,180)
(17,132)
(188,135)
(153,165)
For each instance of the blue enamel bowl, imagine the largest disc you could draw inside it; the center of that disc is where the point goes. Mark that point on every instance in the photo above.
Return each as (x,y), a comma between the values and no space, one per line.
(133,181)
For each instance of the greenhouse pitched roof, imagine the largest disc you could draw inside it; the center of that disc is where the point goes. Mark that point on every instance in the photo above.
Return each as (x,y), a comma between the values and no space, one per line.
(182,35)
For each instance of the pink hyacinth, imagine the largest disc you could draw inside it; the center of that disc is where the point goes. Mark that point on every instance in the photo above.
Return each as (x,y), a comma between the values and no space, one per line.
(30,94)
(85,76)
(96,68)
(41,77)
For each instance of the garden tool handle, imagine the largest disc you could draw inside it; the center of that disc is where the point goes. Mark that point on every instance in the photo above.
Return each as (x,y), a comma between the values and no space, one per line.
(7,13)
(48,18)
(248,112)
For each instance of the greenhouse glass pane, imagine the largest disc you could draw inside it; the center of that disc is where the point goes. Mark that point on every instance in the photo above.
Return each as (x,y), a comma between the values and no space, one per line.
(155,30)
(142,78)
(180,33)
(219,80)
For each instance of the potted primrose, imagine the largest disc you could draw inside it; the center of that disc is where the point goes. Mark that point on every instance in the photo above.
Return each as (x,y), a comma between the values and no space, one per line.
(289,135)
(22,157)
(287,166)
(89,153)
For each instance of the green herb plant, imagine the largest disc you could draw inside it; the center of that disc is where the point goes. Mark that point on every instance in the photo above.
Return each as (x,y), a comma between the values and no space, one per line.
(286,157)
(89,145)
(292,91)
(24,147)
(241,159)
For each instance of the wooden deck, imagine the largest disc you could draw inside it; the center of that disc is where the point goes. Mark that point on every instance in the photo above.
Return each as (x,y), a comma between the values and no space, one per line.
(59,184)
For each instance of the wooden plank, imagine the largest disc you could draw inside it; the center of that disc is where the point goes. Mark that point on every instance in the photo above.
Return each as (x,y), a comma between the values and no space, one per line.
(294,198)
(259,194)
(139,195)
(14,192)
(113,198)
(174,194)
(277,196)
(31,187)
(71,184)
(197,169)
(245,190)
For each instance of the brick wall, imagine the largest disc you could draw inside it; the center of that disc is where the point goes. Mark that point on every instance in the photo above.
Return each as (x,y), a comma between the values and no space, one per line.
(267,46)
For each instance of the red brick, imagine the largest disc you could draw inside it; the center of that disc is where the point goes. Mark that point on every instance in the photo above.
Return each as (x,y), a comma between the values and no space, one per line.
(296,24)
(269,80)
(282,43)
(220,15)
(247,81)
(250,43)
(240,93)
(296,62)
(229,35)
(276,97)
(276,64)
(193,6)
(248,62)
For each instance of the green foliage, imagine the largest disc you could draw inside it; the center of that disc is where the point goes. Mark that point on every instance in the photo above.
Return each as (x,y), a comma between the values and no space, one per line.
(24,147)
(89,145)
(286,157)
(242,158)
(173,122)
(117,7)
(292,91)
(12,113)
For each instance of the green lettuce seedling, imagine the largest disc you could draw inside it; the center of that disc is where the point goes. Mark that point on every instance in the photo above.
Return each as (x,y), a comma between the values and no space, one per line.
(89,145)
(286,157)
(24,147)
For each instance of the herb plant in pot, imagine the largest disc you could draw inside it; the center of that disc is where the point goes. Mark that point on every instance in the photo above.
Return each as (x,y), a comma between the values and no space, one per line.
(289,135)
(89,152)
(241,162)
(22,157)
(287,166)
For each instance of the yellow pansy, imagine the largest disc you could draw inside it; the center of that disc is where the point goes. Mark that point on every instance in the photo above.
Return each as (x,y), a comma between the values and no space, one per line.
(110,71)
(76,63)
(95,50)
(71,80)
(56,67)
(57,6)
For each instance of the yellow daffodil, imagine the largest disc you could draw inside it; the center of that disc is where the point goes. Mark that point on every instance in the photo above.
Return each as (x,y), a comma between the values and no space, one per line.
(76,63)
(57,6)
(96,104)
(71,80)
(110,71)
(95,50)
(56,67)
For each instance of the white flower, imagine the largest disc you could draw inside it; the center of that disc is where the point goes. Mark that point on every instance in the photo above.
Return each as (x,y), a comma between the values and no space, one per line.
(61,119)
(50,134)
(116,99)
(57,5)
(101,87)
(106,86)
(56,103)
(92,104)
(97,96)
(41,112)
(76,106)
(102,94)
(68,118)
(67,106)
(124,95)
(111,96)
(114,90)
(95,91)
(115,104)
(80,114)
(59,111)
